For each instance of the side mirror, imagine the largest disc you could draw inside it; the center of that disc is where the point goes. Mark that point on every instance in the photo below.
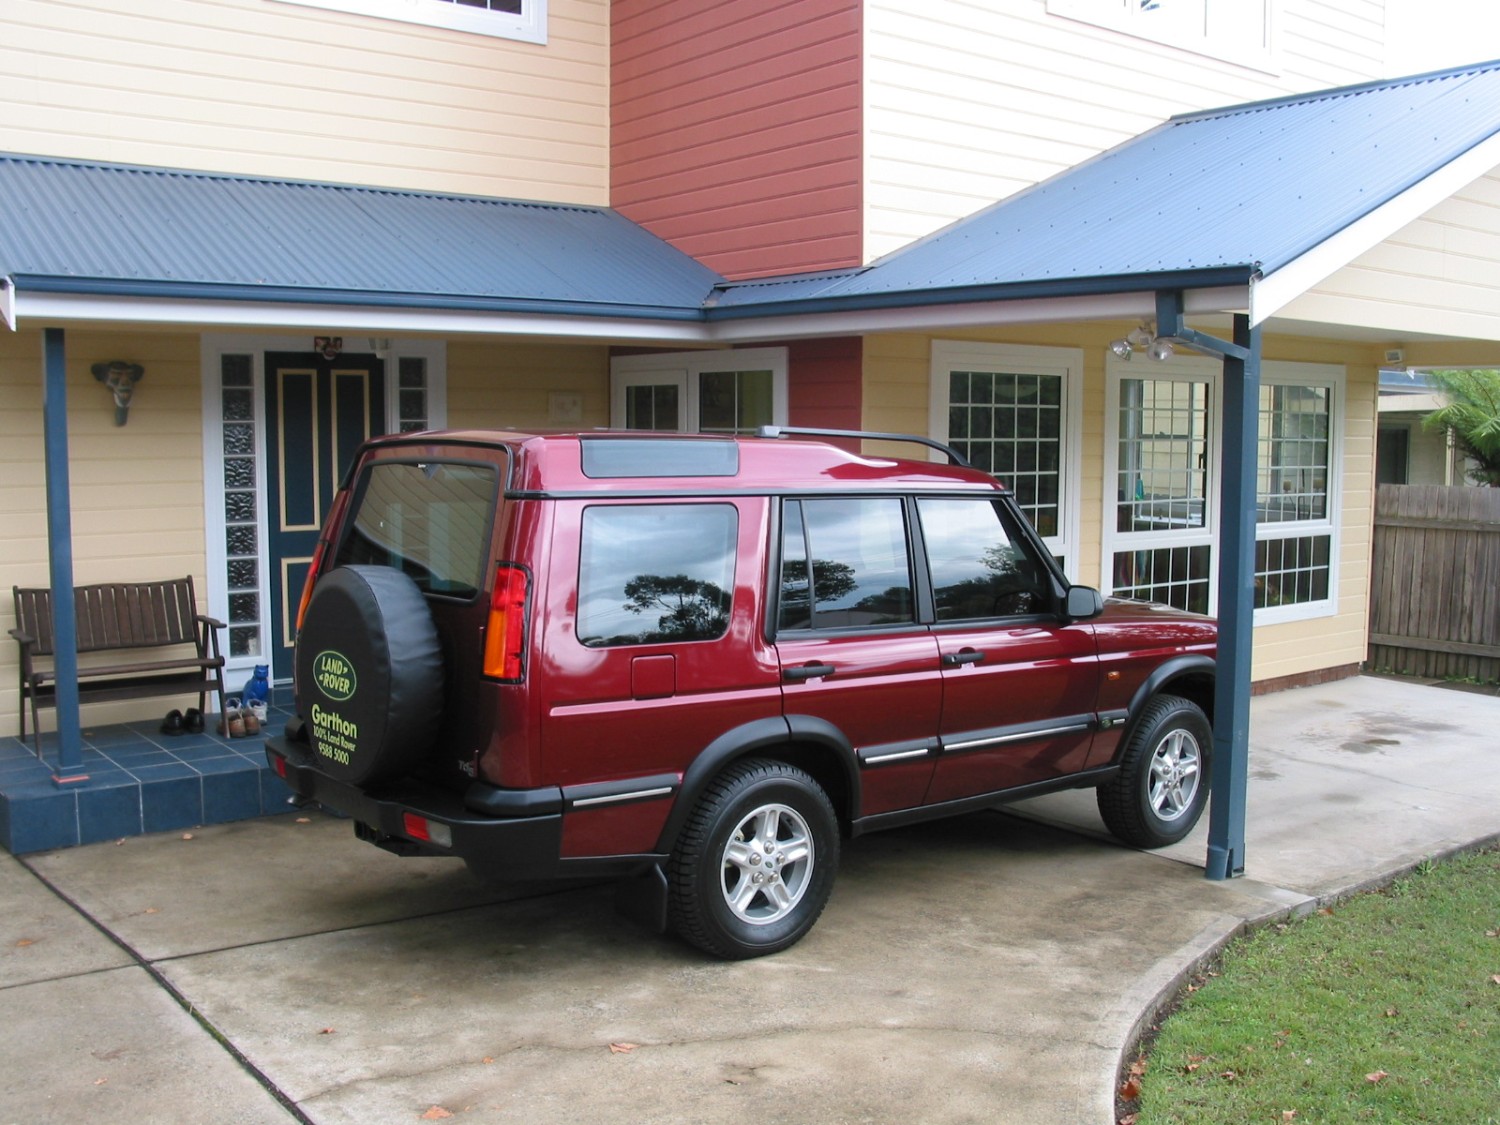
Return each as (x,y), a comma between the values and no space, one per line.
(1084,603)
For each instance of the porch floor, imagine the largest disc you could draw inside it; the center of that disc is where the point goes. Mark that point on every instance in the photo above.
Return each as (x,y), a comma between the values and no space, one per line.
(139,780)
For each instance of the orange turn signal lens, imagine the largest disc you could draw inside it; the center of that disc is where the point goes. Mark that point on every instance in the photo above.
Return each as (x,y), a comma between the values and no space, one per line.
(505,635)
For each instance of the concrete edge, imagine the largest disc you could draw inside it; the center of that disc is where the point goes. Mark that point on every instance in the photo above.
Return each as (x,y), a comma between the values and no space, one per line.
(1159,989)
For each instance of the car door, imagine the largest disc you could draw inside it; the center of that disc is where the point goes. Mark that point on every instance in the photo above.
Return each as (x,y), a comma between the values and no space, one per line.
(1020,686)
(853,655)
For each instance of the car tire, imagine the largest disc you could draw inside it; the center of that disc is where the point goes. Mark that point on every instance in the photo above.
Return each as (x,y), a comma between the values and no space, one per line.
(755,863)
(1162,787)
(369,674)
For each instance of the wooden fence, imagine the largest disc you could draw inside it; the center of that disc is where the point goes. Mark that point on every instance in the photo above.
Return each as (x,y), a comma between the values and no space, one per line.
(1435,582)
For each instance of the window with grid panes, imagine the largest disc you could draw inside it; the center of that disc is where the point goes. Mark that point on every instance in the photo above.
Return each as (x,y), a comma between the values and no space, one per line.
(1294,497)
(525,20)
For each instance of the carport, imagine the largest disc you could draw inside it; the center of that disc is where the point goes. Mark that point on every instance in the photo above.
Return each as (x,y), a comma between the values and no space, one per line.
(1232,218)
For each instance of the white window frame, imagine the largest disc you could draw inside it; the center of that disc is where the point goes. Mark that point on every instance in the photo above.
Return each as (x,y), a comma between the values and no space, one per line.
(1067,363)
(1126,17)
(1273,373)
(684,368)
(212,349)
(1333,378)
(530,26)
(1180,368)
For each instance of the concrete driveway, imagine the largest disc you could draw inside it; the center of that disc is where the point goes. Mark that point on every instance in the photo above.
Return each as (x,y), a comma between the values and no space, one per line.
(986,969)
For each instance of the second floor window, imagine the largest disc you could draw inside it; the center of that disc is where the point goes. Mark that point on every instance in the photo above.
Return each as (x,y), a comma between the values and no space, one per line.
(525,20)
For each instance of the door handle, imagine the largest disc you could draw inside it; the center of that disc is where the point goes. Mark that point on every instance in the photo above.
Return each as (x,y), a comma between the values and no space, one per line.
(967,656)
(806,671)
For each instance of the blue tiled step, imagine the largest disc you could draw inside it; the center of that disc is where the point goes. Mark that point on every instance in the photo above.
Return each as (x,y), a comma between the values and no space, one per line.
(139,780)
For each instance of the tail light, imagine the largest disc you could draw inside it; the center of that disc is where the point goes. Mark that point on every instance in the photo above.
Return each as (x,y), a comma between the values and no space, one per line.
(330,526)
(505,634)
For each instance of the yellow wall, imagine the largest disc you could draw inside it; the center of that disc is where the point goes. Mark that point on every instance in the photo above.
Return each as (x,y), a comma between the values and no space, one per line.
(137,490)
(500,385)
(897,374)
(1436,276)
(269,89)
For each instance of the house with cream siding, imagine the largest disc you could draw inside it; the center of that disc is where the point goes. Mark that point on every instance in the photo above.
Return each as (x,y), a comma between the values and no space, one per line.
(310,221)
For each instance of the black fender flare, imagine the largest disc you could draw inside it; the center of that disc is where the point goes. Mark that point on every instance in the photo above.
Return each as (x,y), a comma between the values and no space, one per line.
(755,737)
(1170,669)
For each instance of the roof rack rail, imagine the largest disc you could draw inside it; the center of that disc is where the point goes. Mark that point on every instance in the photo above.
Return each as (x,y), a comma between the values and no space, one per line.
(953,455)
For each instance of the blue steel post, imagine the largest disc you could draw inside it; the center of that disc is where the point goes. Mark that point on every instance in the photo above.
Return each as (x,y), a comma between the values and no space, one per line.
(69,766)
(1231,760)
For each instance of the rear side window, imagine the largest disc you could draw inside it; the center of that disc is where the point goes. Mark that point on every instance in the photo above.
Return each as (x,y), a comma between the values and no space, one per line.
(652,573)
(430,520)
(844,562)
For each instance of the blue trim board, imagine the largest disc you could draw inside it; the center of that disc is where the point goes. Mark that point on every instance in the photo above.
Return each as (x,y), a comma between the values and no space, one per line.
(139,781)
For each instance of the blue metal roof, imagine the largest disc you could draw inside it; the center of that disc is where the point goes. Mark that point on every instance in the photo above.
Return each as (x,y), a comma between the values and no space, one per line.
(1206,199)
(1221,194)
(111,228)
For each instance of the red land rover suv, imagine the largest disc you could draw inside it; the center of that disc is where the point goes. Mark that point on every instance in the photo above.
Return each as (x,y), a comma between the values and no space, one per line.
(699,663)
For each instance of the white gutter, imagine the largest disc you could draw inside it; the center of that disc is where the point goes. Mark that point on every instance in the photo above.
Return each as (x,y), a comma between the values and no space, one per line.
(54,308)
(1277,290)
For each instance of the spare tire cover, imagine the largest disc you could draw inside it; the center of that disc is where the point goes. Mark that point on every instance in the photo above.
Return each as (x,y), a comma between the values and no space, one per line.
(369,674)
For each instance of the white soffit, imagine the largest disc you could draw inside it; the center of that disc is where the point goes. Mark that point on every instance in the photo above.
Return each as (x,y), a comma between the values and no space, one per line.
(1275,291)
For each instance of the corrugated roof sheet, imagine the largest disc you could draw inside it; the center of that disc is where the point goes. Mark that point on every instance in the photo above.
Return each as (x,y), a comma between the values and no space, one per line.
(1204,199)
(69,219)
(1249,187)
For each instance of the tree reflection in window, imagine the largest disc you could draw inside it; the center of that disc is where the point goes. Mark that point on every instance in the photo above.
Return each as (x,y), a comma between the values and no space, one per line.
(979,568)
(655,573)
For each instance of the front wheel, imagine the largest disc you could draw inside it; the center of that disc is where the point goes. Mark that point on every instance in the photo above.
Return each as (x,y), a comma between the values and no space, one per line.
(754,866)
(1162,787)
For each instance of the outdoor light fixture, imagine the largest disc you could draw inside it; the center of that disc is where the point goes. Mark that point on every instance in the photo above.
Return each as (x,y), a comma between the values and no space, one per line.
(1142,339)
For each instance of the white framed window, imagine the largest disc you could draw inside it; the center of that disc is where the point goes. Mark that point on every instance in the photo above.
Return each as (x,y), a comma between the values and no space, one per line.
(1162,453)
(708,392)
(1016,412)
(1161,480)
(1239,31)
(525,20)
(1298,489)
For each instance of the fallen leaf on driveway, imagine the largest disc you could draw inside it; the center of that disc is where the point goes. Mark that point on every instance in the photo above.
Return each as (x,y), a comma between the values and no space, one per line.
(187,835)
(1376,1076)
(24,942)
(1131,1089)
(326,1031)
(622,1048)
(436,1113)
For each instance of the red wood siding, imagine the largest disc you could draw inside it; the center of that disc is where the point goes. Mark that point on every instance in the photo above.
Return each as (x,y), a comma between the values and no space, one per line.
(735,130)
(825,379)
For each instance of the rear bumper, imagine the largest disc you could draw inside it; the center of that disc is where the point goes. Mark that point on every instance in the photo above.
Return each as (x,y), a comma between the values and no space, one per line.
(504,848)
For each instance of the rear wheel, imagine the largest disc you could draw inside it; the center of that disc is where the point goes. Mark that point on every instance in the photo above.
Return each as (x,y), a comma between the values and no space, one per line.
(1162,787)
(755,864)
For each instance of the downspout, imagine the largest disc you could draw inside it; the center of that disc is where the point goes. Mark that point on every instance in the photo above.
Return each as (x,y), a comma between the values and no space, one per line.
(69,768)
(1236,577)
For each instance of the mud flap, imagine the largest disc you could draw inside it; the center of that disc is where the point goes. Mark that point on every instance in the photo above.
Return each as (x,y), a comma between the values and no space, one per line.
(643,899)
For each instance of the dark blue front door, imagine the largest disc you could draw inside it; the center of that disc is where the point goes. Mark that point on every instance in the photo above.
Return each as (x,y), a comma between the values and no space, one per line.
(317,413)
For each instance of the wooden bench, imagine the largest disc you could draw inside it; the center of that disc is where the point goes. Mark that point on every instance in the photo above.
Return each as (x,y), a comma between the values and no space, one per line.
(121,617)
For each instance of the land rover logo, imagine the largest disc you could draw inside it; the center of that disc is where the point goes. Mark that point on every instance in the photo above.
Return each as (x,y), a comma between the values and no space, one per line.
(334,675)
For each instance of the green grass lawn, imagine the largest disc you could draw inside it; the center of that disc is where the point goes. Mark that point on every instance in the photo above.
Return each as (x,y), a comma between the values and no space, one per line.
(1385,1008)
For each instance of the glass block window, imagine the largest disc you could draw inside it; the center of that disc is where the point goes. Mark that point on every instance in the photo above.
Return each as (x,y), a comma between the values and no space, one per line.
(241,537)
(411,395)
(1176,576)
(1011,424)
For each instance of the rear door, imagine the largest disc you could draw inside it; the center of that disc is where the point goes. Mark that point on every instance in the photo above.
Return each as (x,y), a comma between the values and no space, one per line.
(1020,688)
(852,653)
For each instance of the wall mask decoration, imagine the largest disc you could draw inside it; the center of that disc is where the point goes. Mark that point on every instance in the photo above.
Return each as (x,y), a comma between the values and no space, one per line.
(328,347)
(120,377)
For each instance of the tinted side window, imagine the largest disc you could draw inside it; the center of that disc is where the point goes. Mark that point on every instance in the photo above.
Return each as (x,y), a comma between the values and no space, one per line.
(847,559)
(979,566)
(656,572)
(429,520)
